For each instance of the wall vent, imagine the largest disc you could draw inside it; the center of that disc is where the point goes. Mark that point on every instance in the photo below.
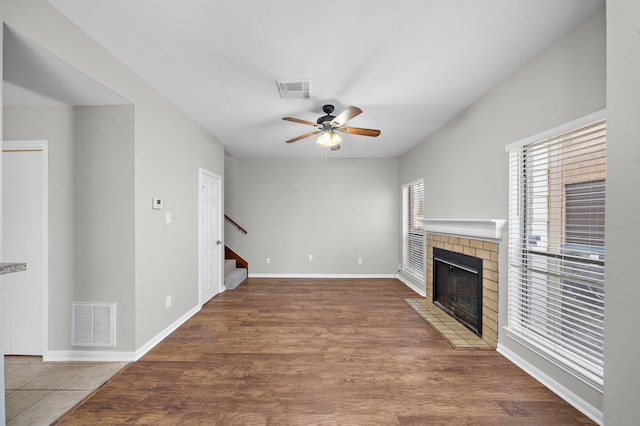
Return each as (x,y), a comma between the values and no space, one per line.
(93,324)
(294,89)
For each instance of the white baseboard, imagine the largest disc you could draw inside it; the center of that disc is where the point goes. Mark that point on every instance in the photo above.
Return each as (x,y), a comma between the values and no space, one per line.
(167,331)
(411,285)
(580,404)
(118,356)
(322,275)
(89,356)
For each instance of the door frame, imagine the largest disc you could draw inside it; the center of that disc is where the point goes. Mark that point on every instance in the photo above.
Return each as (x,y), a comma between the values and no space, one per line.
(201,173)
(43,146)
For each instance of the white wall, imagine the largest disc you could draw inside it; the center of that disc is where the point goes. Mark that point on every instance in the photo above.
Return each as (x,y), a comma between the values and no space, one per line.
(464,164)
(622,291)
(337,210)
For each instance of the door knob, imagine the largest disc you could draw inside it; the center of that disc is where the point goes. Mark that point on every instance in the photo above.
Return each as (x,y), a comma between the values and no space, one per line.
(218,242)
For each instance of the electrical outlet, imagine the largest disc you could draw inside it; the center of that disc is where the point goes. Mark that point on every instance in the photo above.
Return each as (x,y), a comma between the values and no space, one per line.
(310,257)
(268,260)
(168,301)
(359,261)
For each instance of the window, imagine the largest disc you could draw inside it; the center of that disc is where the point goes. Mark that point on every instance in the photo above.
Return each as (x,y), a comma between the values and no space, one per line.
(556,247)
(412,233)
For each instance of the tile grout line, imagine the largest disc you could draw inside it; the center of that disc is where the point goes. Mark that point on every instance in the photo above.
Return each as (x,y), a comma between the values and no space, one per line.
(447,327)
(46,387)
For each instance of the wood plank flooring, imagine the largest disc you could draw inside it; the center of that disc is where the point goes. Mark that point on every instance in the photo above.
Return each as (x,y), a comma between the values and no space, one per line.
(318,352)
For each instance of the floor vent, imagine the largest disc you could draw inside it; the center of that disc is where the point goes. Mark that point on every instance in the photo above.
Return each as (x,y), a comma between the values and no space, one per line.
(93,324)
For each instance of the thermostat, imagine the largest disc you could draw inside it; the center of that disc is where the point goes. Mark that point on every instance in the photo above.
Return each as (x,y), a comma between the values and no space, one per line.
(157,203)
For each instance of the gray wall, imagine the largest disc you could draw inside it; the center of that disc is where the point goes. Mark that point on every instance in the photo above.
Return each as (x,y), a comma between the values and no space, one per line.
(564,83)
(91,209)
(168,148)
(103,212)
(54,124)
(168,152)
(622,293)
(464,164)
(337,210)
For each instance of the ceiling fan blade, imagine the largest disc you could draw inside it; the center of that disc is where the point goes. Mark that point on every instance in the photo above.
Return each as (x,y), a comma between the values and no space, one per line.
(297,120)
(360,131)
(306,135)
(335,147)
(345,116)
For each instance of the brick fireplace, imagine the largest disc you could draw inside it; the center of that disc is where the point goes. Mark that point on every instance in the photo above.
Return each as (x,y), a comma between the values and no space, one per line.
(477,238)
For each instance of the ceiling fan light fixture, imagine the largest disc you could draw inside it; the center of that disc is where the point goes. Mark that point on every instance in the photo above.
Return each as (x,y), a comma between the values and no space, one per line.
(328,125)
(335,139)
(328,138)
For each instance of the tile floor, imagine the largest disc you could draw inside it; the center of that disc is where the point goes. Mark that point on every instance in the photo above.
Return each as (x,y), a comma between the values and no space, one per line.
(453,332)
(38,393)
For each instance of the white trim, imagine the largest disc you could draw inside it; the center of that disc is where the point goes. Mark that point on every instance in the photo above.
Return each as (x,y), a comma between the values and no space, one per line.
(580,404)
(89,356)
(488,229)
(167,331)
(411,285)
(322,275)
(40,144)
(572,125)
(127,356)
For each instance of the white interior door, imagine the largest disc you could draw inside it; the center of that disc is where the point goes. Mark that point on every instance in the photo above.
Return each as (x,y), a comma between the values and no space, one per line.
(211,247)
(24,239)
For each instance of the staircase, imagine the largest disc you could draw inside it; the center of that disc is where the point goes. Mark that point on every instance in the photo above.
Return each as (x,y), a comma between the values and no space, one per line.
(236,269)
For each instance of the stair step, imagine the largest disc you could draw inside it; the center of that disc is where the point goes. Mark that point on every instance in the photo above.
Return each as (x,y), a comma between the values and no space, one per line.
(234,278)
(229,265)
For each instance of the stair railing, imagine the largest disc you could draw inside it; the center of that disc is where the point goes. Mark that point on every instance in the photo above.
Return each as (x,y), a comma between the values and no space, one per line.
(236,224)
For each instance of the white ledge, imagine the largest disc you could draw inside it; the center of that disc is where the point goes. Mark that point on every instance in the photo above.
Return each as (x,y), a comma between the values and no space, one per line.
(489,229)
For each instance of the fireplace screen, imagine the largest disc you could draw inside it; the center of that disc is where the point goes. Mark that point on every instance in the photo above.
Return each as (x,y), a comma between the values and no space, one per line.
(457,287)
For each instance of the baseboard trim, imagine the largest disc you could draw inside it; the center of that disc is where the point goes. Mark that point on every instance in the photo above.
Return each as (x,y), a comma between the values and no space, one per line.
(411,285)
(119,356)
(322,275)
(580,404)
(89,356)
(167,331)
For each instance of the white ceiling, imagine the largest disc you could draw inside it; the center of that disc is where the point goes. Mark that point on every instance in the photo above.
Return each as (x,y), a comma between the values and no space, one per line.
(411,65)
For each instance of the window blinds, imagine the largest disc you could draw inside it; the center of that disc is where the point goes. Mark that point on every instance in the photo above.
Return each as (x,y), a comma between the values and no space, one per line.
(412,233)
(557,250)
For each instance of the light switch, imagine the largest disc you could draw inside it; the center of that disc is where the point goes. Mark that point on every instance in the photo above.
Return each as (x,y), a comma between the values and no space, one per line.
(168,217)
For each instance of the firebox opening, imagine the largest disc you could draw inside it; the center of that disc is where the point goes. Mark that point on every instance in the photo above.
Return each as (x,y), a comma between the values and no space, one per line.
(457,287)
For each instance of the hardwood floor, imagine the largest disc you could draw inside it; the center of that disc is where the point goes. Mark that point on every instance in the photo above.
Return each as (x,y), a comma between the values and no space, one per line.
(319,352)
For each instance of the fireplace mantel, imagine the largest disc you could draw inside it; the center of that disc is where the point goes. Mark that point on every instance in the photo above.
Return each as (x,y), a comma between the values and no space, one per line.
(488,229)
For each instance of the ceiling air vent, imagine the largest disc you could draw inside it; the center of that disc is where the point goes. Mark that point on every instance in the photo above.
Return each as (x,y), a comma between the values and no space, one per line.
(294,89)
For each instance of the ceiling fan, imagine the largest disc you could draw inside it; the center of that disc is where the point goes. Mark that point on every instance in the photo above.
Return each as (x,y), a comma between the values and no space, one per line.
(328,125)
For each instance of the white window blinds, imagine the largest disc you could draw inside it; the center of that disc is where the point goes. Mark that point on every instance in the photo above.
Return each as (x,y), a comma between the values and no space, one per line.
(556,248)
(412,233)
